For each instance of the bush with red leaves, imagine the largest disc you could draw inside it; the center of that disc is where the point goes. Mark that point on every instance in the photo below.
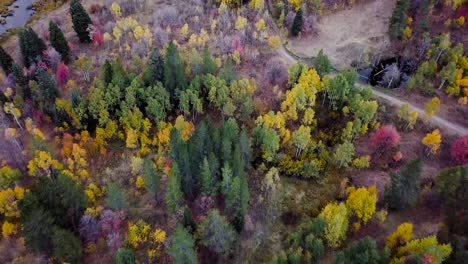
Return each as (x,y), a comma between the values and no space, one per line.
(62,74)
(459,150)
(385,138)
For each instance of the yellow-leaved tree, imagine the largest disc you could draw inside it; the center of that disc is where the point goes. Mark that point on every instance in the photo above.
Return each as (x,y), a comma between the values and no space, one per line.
(362,202)
(432,141)
(401,236)
(336,218)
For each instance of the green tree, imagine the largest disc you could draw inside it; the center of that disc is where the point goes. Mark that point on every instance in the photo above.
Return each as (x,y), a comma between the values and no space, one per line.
(268,140)
(37,230)
(46,93)
(157,102)
(124,256)
(181,245)
(363,251)
(31,46)
(209,65)
(81,21)
(447,74)
(208,182)
(404,187)
(174,75)
(322,64)
(398,19)
(58,41)
(174,193)
(106,72)
(344,154)
(301,138)
(116,198)
(298,23)
(154,71)
(6,61)
(19,76)
(228,73)
(151,176)
(237,199)
(216,233)
(67,247)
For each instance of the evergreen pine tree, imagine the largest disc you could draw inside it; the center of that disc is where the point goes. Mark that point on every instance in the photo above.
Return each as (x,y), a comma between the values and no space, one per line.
(398,19)
(67,247)
(187,220)
(174,194)
(81,21)
(151,176)
(6,61)
(208,183)
(228,73)
(217,234)
(21,80)
(209,66)
(124,256)
(322,64)
(154,71)
(181,245)
(237,200)
(46,93)
(31,46)
(297,23)
(404,188)
(106,72)
(58,41)
(116,198)
(174,75)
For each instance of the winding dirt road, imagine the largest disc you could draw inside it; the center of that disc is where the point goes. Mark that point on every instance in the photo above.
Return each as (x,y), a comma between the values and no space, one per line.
(436,120)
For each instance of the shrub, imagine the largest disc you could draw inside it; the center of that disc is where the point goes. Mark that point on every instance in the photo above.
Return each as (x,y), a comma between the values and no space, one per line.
(124,256)
(459,150)
(385,138)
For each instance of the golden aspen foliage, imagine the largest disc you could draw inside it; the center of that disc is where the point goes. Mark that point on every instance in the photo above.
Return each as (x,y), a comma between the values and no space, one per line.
(274,41)
(140,182)
(362,202)
(43,163)
(116,10)
(184,31)
(138,33)
(412,118)
(185,128)
(407,33)
(432,107)
(241,22)
(9,201)
(77,164)
(460,21)
(138,233)
(401,236)
(336,218)
(257,4)
(296,4)
(361,162)
(260,25)
(423,246)
(93,193)
(8,229)
(432,141)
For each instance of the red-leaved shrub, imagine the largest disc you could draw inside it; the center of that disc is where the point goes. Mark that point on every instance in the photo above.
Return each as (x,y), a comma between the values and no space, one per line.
(385,138)
(98,39)
(62,74)
(459,150)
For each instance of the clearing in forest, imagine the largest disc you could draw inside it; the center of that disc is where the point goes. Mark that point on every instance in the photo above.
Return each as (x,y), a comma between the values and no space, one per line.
(346,35)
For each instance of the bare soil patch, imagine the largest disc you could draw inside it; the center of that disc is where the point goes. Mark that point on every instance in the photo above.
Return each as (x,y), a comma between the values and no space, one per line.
(346,34)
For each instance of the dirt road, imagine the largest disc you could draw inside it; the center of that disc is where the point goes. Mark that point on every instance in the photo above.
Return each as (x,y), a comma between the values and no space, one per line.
(436,120)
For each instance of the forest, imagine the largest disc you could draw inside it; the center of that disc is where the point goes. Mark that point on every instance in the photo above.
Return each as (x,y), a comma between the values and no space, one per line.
(197,131)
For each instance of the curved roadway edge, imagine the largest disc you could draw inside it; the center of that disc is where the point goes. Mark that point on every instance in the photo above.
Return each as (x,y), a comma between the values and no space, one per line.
(436,120)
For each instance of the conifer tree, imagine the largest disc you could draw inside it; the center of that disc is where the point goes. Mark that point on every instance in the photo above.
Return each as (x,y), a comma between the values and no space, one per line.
(151,176)
(6,61)
(399,18)
(81,21)
(209,66)
(154,71)
(297,23)
(404,188)
(237,200)
(31,46)
(208,183)
(174,194)
(58,41)
(322,64)
(181,247)
(106,72)
(174,75)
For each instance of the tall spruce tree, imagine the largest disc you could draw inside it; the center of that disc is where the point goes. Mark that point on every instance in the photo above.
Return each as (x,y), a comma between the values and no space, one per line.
(81,21)
(174,194)
(237,200)
(404,188)
(154,71)
(6,61)
(208,182)
(398,19)
(174,75)
(297,23)
(31,46)
(58,41)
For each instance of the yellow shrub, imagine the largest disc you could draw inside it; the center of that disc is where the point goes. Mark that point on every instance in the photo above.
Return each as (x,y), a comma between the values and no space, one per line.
(8,229)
